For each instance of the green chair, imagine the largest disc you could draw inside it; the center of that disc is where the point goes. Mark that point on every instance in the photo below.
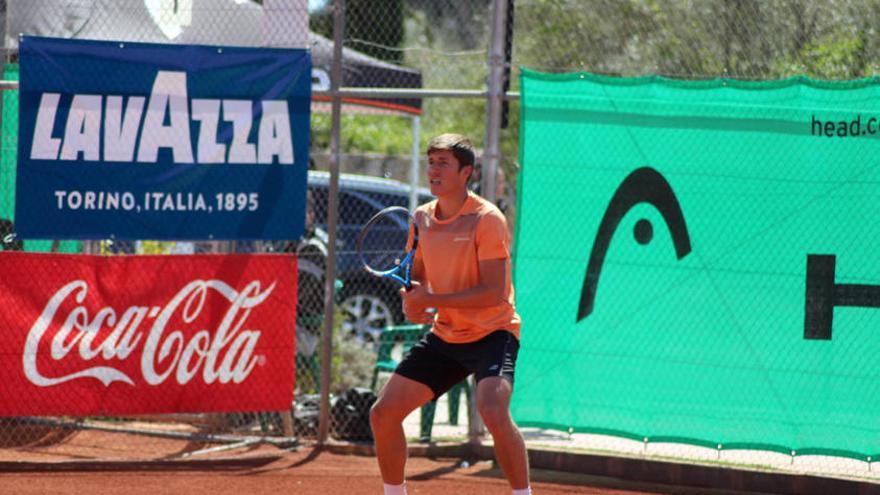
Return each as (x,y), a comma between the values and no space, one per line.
(408,336)
(308,367)
(453,395)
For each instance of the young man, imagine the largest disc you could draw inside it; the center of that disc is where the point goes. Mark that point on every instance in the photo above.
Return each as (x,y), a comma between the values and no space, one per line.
(462,285)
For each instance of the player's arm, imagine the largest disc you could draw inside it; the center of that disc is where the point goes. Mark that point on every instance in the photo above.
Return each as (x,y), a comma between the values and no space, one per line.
(418,270)
(489,291)
(414,312)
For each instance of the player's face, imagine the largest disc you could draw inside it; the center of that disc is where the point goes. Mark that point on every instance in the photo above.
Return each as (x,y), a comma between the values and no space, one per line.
(444,175)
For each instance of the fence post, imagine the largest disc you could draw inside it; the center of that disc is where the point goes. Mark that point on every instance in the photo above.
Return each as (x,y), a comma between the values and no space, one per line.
(494,99)
(332,213)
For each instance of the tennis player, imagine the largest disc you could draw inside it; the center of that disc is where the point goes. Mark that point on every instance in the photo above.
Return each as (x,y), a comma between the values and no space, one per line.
(461,270)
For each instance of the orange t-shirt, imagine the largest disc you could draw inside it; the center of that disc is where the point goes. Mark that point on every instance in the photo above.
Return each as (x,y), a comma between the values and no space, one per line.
(451,250)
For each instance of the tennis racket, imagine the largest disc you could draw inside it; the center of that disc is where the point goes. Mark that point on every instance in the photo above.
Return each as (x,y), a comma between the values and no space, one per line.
(385,246)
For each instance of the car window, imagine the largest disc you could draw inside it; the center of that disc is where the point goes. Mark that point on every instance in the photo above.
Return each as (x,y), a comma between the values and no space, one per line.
(319,194)
(392,199)
(354,209)
(357,206)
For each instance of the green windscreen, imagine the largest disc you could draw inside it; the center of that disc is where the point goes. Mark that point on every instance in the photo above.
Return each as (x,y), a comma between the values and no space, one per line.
(8,161)
(700,261)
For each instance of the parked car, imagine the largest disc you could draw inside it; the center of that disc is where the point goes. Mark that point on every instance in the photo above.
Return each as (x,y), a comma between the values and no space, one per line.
(369,303)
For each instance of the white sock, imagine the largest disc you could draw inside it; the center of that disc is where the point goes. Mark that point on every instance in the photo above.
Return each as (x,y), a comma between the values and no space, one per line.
(525,491)
(396,489)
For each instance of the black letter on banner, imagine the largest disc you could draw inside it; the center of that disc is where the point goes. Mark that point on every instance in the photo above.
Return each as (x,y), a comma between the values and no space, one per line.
(823,295)
(644,185)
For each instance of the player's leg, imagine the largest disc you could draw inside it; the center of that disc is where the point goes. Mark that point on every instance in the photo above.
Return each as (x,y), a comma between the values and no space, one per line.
(424,374)
(495,362)
(493,402)
(398,398)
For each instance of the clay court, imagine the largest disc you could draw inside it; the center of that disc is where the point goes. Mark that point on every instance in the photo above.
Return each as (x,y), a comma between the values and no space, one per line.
(49,460)
(306,471)
(92,459)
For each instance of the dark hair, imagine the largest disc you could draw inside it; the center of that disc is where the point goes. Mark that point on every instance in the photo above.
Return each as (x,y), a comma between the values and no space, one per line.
(460,146)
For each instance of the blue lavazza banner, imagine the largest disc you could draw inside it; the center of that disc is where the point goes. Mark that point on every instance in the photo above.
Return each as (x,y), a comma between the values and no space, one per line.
(152,141)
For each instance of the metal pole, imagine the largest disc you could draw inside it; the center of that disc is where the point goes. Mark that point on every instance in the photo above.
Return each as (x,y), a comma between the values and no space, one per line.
(6,23)
(332,214)
(414,164)
(491,155)
(366,92)
(494,100)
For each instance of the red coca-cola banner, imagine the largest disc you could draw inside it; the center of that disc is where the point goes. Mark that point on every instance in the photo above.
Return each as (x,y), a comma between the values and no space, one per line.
(96,335)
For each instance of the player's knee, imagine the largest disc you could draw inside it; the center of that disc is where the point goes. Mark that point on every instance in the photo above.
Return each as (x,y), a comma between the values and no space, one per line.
(382,415)
(494,414)
(376,415)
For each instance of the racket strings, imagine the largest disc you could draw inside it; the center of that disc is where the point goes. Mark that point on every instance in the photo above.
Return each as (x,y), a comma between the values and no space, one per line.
(384,242)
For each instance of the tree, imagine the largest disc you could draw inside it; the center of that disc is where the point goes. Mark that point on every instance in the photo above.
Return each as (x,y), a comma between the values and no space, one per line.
(746,39)
(452,24)
(374,27)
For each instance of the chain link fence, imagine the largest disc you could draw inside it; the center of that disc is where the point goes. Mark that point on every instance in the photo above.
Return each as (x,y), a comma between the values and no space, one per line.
(190,435)
(408,44)
(376,174)
(597,129)
(747,39)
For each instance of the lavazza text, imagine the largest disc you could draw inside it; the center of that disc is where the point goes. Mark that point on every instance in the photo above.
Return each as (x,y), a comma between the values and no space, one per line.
(123,128)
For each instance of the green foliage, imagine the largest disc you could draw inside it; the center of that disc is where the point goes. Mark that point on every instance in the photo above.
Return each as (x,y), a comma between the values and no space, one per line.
(464,116)
(442,69)
(352,363)
(747,39)
(321,22)
(834,56)
(448,42)
(449,24)
(373,27)
(383,134)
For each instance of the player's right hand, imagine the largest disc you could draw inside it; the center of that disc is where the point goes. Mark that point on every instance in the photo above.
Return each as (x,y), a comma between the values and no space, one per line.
(412,309)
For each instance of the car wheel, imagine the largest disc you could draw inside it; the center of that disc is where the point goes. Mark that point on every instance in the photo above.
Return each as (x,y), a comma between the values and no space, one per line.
(366,315)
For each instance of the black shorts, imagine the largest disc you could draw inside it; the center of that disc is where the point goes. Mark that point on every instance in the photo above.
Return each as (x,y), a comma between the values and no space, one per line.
(440,365)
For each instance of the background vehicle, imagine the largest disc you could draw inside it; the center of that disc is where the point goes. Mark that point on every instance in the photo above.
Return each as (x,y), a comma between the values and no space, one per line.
(369,303)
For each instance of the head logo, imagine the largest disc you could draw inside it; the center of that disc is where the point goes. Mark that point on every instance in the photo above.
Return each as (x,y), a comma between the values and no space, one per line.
(644,185)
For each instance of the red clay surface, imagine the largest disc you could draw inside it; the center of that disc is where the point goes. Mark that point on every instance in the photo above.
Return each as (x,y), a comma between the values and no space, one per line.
(305,472)
(91,462)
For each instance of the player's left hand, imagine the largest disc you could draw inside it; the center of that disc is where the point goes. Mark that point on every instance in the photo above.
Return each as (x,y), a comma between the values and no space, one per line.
(417,295)
(416,303)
